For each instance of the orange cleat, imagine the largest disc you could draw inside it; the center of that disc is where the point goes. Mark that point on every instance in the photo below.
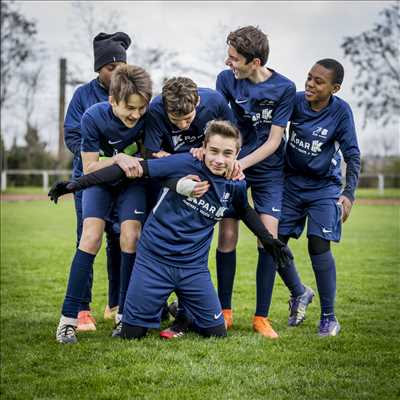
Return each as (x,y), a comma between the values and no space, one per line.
(228,317)
(86,322)
(110,313)
(262,325)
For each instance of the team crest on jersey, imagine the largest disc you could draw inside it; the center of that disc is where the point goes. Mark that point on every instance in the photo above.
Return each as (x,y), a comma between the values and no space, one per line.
(225,196)
(266,102)
(320,132)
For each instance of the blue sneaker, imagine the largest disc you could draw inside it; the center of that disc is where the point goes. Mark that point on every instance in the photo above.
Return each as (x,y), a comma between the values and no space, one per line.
(328,326)
(298,306)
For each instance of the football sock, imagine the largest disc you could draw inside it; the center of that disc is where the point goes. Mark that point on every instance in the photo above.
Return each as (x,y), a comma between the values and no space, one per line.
(265,278)
(132,332)
(127,262)
(291,279)
(81,266)
(226,268)
(214,331)
(87,295)
(325,275)
(113,270)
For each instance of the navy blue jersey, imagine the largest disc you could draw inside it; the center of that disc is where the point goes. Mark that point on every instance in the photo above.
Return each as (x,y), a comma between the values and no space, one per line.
(315,138)
(179,229)
(105,133)
(84,97)
(256,107)
(162,134)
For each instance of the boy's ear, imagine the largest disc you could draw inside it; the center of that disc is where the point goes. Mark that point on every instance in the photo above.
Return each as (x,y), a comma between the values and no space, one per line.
(112,101)
(336,88)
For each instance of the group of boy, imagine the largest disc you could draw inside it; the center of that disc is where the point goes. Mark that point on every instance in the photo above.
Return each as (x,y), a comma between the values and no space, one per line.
(234,131)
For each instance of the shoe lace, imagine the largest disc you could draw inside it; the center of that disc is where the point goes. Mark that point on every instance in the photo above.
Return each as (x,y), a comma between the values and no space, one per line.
(324,325)
(68,330)
(294,303)
(118,326)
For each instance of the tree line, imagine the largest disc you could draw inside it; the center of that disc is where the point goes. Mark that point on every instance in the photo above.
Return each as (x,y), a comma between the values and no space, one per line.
(374,54)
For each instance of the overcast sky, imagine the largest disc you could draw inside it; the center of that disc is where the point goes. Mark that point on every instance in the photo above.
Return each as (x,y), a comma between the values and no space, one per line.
(300,33)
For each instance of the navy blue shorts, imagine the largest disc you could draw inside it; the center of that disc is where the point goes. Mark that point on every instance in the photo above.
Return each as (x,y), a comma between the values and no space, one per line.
(266,192)
(151,284)
(128,200)
(323,213)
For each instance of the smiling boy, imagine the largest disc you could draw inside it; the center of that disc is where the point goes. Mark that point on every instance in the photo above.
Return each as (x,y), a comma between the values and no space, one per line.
(175,242)
(322,127)
(109,131)
(262,101)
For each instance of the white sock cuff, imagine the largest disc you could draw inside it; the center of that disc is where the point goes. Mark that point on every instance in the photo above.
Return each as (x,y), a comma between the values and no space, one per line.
(68,321)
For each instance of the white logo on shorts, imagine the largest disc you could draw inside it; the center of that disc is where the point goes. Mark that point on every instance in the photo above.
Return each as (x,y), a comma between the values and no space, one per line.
(216,316)
(114,141)
(237,101)
(138,212)
(324,230)
(275,209)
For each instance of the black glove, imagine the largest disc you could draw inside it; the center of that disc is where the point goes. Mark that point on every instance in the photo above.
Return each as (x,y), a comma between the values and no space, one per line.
(280,252)
(60,188)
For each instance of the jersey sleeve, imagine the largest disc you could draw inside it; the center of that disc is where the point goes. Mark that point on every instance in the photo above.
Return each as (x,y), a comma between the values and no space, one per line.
(154,131)
(240,201)
(176,165)
(284,109)
(72,124)
(225,111)
(347,139)
(222,87)
(90,134)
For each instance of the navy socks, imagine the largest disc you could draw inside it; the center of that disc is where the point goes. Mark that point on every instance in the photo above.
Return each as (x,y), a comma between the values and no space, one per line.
(79,276)
(226,268)
(113,270)
(266,271)
(127,262)
(325,275)
(291,279)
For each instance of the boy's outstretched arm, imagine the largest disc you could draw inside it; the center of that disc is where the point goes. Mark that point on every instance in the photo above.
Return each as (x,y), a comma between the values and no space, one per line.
(114,173)
(279,251)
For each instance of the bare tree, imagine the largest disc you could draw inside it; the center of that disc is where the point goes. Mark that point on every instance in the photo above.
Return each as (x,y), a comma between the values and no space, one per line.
(87,21)
(376,56)
(17,35)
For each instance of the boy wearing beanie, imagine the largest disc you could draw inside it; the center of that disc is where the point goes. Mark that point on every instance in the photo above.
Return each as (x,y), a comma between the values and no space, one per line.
(109,52)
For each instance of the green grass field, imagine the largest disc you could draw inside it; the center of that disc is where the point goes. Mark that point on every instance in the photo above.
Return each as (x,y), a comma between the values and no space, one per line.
(37,245)
(389,193)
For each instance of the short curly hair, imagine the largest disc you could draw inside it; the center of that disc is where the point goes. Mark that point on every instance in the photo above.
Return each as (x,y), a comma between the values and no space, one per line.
(180,96)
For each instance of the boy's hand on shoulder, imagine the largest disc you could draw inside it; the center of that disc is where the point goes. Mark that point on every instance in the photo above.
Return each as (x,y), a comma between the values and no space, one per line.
(197,152)
(235,172)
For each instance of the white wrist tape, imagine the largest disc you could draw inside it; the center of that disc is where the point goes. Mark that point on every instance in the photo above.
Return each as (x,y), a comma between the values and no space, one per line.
(185,186)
